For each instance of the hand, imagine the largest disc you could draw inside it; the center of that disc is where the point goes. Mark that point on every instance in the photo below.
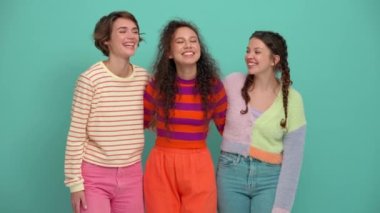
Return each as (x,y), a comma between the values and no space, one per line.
(153,125)
(78,199)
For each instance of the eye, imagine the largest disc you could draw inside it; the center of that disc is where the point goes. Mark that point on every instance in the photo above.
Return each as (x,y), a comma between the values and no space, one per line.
(180,41)
(135,31)
(194,41)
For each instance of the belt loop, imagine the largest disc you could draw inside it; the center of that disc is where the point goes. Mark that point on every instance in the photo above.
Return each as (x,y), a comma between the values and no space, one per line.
(238,159)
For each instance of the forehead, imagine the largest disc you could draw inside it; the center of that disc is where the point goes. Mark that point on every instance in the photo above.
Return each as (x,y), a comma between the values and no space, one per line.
(184,32)
(256,43)
(124,22)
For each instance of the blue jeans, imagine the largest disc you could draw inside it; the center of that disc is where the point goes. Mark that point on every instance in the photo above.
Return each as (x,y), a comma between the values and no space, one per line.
(245,184)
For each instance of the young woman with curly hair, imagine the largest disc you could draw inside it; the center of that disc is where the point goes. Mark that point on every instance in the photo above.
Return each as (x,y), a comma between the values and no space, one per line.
(183,96)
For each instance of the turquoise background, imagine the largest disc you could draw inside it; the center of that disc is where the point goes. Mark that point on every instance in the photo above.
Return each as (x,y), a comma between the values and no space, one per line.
(333,54)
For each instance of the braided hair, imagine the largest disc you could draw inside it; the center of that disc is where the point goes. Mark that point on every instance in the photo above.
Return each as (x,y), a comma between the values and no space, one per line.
(277,45)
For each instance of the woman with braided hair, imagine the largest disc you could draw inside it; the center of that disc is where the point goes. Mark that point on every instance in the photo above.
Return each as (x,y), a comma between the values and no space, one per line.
(264,135)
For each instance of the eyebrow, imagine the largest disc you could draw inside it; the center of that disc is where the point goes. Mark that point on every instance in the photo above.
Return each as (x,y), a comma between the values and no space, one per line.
(255,48)
(192,37)
(125,28)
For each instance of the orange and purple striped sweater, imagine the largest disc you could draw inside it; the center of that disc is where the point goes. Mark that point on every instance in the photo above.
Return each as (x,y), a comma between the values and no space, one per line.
(187,126)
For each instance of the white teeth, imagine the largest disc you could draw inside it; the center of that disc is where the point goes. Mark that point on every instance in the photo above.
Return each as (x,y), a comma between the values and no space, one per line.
(188,53)
(251,63)
(129,44)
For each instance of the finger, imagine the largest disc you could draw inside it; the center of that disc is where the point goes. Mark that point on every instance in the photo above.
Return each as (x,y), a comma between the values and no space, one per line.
(84,202)
(77,207)
(73,206)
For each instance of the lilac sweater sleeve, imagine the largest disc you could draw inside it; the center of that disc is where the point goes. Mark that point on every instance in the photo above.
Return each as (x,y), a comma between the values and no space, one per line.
(290,170)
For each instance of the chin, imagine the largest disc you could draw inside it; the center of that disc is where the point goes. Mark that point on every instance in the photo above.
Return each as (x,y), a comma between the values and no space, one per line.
(251,72)
(129,54)
(189,62)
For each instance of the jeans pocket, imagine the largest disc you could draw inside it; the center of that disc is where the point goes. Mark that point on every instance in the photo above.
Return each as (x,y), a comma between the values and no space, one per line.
(228,159)
(269,169)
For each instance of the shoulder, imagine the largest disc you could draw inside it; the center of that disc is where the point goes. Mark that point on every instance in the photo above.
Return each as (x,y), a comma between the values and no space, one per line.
(93,69)
(234,82)
(216,82)
(295,97)
(218,87)
(141,71)
(234,78)
(296,111)
(93,72)
(150,87)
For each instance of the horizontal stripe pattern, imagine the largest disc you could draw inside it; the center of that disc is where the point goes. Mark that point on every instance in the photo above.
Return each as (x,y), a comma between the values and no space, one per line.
(106,121)
(187,125)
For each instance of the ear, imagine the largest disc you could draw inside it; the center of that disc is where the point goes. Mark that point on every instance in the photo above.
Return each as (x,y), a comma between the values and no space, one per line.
(276,60)
(170,56)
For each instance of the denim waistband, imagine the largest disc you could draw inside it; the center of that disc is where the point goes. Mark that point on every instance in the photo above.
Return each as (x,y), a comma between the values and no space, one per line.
(239,157)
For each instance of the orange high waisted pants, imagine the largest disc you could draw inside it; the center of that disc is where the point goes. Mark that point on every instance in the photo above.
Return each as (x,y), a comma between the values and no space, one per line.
(179,181)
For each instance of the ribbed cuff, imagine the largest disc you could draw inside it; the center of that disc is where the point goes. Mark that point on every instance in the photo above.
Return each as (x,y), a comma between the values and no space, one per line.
(77,187)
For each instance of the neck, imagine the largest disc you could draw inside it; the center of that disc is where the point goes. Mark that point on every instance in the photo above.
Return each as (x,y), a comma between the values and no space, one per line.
(187,73)
(266,82)
(119,67)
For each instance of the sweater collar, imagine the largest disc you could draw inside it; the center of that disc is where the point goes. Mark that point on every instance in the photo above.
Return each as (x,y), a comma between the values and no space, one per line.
(183,81)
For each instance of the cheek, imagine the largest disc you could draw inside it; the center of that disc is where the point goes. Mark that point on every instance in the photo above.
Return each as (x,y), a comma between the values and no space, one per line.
(199,51)
(172,52)
(137,37)
(198,47)
(177,50)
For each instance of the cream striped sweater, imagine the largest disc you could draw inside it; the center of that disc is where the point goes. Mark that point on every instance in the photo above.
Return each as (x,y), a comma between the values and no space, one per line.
(106,121)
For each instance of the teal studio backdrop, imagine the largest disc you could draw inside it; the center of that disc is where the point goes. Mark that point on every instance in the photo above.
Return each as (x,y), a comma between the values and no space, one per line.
(333,54)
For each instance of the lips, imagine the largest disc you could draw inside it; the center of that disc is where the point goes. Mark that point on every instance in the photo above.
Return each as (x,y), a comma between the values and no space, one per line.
(251,63)
(129,44)
(188,53)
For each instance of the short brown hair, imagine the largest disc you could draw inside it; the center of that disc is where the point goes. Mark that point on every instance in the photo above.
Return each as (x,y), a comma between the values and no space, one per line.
(103,29)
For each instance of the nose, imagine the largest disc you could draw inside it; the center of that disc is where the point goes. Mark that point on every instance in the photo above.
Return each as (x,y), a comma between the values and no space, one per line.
(130,34)
(248,55)
(188,44)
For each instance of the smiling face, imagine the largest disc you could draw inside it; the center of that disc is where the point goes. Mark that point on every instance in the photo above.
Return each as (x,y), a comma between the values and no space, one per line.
(124,38)
(259,58)
(185,47)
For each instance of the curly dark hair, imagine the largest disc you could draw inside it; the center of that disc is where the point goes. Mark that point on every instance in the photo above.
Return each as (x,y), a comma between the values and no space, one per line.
(277,44)
(103,29)
(165,72)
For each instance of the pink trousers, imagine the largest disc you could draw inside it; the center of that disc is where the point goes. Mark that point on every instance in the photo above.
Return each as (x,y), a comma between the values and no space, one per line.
(113,190)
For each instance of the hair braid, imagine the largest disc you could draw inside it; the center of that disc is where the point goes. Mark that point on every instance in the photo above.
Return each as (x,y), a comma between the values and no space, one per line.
(249,81)
(283,66)
(277,44)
